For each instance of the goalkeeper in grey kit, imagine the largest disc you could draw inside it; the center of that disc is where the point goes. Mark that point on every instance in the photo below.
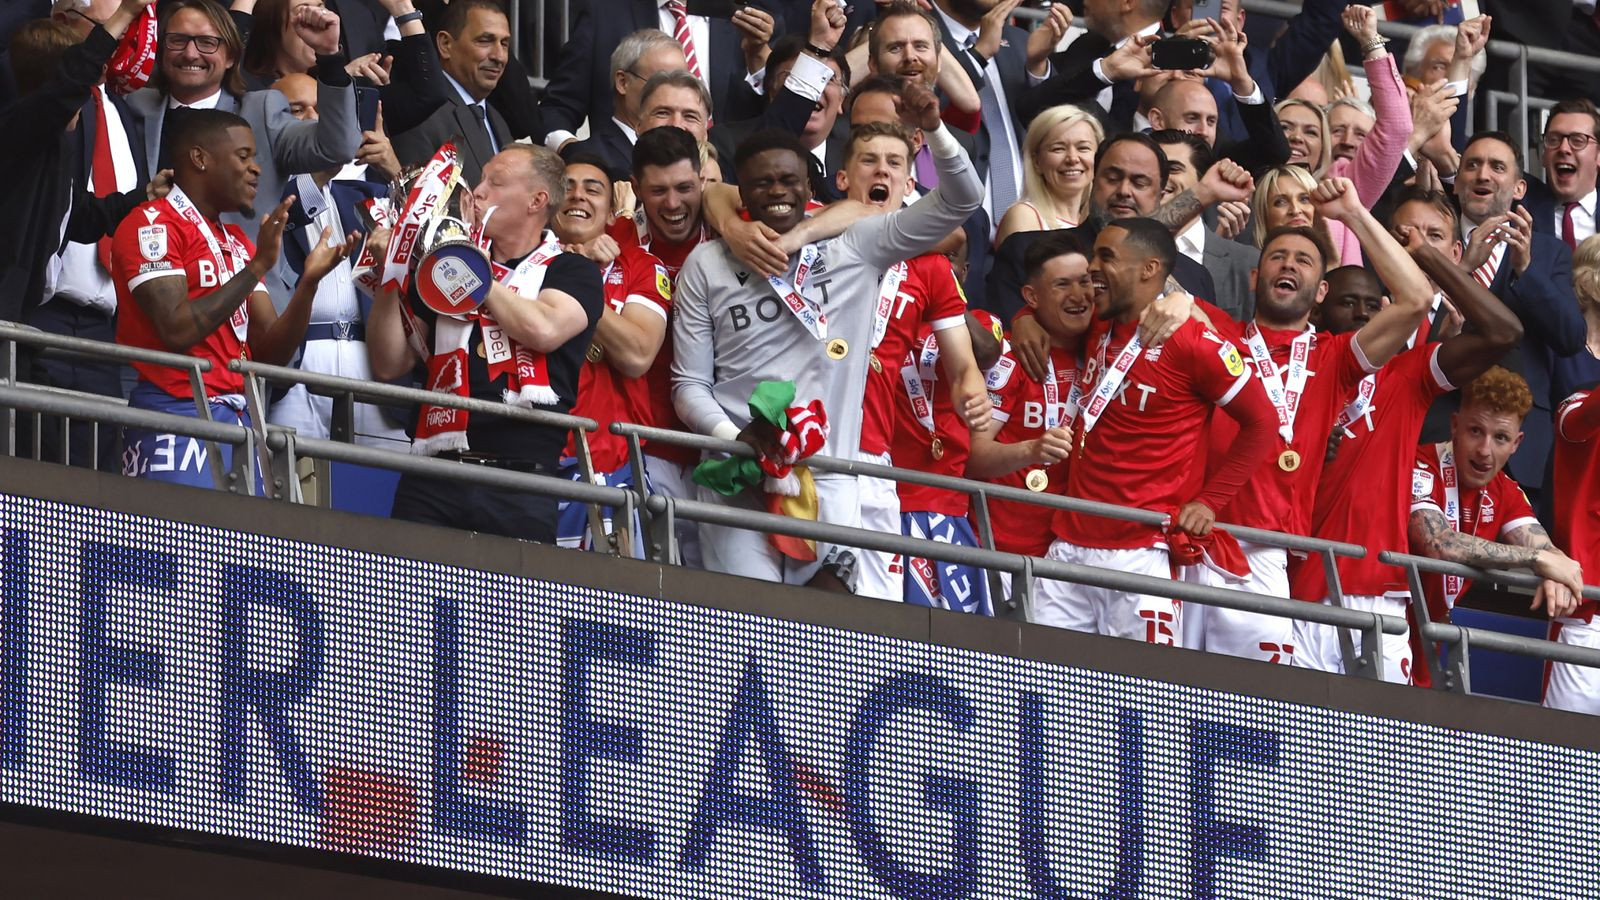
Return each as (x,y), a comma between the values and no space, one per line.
(812,325)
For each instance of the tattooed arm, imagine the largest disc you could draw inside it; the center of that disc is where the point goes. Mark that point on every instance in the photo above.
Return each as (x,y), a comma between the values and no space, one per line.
(1528,547)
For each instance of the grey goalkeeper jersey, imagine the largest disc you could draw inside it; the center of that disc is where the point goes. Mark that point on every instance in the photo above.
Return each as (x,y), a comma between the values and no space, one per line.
(731,331)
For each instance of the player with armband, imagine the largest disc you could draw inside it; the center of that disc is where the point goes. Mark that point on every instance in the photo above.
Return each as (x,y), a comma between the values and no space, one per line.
(1308,375)
(1138,438)
(1577,525)
(186,283)
(1465,508)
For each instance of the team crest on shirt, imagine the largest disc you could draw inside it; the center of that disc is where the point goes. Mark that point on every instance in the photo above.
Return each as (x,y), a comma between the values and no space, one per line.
(1153,354)
(1230,358)
(1421,482)
(153,242)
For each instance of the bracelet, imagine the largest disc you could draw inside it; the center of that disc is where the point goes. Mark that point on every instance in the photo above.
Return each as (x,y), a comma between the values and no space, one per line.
(1377,43)
(818,52)
(413,16)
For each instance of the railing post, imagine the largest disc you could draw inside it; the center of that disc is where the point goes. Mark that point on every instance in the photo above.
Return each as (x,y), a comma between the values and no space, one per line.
(649,538)
(1459,666)
(980,516)
(8,371)
(1520,77)
(1353,664)
(272,485)
(1371,659)
(1022,589)
(597,525)
(202,409)
(1430,650)
(342,424)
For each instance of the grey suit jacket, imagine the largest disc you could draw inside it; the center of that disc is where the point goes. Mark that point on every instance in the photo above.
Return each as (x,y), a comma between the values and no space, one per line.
(1230,263)
(285,146)
(453,121)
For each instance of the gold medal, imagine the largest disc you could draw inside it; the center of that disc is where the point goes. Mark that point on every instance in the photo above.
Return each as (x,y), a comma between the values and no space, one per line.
(838,348)
(876,366)
(936,449)
(1288,460)
(1037,480)
(594,353)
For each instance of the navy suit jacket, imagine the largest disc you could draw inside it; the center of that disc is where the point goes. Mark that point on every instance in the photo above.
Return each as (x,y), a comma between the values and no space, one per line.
(580,86)
(82,138)
(1012,62)
(607,141)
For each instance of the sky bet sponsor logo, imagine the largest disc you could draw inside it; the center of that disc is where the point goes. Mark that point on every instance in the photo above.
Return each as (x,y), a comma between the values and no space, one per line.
(196,678)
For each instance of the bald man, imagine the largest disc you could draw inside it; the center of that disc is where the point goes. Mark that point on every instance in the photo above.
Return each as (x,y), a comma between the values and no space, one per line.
(1186,104)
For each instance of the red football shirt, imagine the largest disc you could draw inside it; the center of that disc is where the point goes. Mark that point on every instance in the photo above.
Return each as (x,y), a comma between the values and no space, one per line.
(1577,487)
(604,394)
(154,241)
(1491,513)
(912,447)
(1147,443)
(1019,407)
(1273,498)
(928,295)
(659,411)
(1363,498)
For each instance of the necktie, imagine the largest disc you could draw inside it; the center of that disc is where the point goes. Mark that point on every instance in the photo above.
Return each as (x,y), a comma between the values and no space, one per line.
(102,169)
(1569,233)
(482,115)
(1491,266)
(927,173)
(1002,143)
(680,33)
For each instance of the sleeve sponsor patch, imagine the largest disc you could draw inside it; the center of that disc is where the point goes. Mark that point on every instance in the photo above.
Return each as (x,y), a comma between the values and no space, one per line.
(1230,358)
(1421,483)
(663,283)
(153,242)
(157,266)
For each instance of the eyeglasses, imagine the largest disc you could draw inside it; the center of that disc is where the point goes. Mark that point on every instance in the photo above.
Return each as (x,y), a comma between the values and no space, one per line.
(205,43)
(1577,139)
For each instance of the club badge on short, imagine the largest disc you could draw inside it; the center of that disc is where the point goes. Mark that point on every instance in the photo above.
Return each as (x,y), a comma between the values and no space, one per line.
(153,242)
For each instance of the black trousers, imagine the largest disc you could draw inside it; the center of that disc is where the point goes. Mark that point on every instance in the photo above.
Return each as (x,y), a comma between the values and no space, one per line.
(62,316)
(455,504)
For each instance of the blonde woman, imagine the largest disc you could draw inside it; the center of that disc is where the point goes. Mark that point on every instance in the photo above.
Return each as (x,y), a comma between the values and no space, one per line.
(1282,197)
(1582,368)
(1305,127)
(1059,152)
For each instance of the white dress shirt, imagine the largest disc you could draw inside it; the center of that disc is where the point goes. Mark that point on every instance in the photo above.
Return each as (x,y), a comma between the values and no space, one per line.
(1192,240)
(1582,217)
(204,103)
(76,272)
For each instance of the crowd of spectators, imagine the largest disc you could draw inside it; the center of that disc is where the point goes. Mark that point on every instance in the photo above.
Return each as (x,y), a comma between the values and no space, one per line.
(1248,272)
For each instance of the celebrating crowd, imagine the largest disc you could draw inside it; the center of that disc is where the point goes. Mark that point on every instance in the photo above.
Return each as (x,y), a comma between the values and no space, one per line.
(1128,256)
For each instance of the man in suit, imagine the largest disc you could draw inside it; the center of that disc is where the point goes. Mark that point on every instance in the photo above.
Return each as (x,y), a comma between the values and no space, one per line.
(1130,171)
(998,64)
(1111,24)
(825,132)
(1229,262)
(198,66)
(1186,105)
(474,40)
(728,53)
(1564,204)
(1531,273)
(637,60)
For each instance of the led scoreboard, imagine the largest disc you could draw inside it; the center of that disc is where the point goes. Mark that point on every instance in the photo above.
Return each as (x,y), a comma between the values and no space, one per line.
(175,675)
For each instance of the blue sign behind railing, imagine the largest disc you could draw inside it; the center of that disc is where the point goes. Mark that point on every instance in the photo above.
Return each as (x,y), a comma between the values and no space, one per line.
(196,678)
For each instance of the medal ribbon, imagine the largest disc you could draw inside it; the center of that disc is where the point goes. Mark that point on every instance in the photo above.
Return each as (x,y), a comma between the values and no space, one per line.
(1052,396)
(1453,584)
(1285,397)
(435,183)
(236,253)
(810,316)
(888,289)
(918,374)
(1358,405)
(1111,381)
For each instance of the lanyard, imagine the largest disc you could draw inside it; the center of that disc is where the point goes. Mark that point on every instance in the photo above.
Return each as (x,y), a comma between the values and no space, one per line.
(809,315)
(917,375)
(1054,413)
(1453,584)
(236,253)
(1358,405)
(1285,397)
(1111,380)
(888,289)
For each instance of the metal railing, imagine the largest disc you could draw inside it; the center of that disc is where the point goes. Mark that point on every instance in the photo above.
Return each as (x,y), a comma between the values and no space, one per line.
(1452,673)
(276,448)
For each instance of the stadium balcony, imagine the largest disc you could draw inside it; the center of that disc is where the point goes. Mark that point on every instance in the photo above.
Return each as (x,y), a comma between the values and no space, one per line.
(356,703)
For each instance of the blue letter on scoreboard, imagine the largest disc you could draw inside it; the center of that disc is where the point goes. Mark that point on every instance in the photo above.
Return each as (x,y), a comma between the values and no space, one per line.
(956,796)
(454,811)
(270,692)
(14,647)
(778,809)
(1212,839)
(101,662)
(584,738)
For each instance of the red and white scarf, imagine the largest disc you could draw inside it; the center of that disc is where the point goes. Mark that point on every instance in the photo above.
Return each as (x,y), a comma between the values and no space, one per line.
(805,435)
(527,373)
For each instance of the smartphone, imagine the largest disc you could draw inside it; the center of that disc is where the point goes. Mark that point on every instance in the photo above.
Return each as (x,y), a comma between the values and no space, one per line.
(1206,9)
(1181,53)
(367,108)
(715,9)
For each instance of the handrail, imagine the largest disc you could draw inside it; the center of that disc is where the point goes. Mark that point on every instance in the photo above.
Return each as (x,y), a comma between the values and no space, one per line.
(56,403)
(396,395)
(999,491)
(1016,564)
(1497,576)
(26,334)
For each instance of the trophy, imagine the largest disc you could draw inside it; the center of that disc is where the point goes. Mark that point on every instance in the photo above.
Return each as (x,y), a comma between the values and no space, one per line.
(453,272)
